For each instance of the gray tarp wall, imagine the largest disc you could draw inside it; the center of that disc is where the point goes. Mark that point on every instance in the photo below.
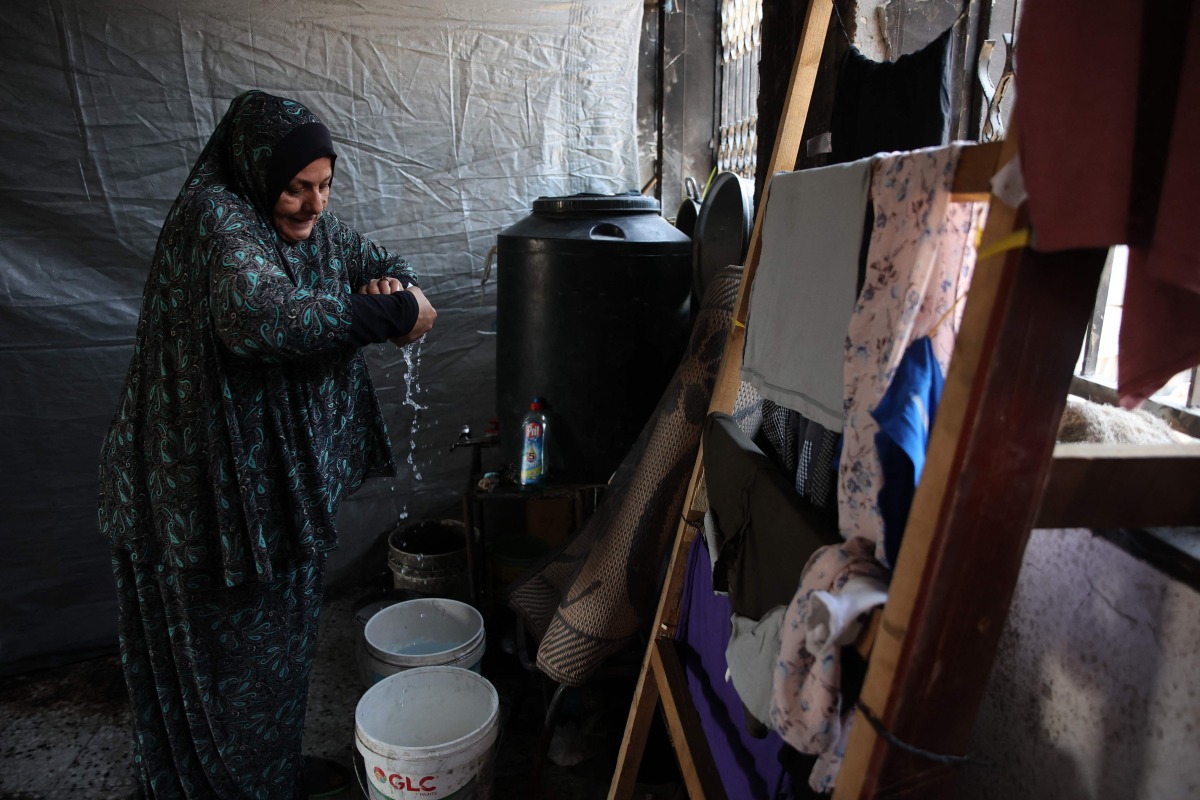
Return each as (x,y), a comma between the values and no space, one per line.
(450,118)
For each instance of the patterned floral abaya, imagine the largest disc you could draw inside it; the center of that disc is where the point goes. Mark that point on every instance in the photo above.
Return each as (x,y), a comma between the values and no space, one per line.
(245,419)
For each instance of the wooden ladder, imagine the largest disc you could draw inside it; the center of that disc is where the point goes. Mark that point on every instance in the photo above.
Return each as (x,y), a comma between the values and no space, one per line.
(662,678)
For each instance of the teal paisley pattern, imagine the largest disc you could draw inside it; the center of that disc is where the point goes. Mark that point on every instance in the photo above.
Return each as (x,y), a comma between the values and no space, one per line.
(246,418)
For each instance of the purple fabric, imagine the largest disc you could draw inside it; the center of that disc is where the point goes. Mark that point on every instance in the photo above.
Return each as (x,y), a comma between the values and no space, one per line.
(749,767)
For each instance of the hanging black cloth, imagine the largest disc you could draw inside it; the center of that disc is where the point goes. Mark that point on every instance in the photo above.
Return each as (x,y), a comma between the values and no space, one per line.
(879,107)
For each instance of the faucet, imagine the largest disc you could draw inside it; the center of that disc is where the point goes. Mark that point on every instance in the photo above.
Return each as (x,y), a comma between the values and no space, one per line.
(490,438)
(464,438)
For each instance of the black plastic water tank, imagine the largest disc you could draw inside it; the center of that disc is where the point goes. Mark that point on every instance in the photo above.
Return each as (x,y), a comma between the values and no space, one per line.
(592,315)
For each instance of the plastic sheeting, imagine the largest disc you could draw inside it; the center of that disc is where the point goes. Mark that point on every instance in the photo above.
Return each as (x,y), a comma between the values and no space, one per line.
(450,118)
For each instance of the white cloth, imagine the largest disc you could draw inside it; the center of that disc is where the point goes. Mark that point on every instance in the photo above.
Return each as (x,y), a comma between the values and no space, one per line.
(713,539)
(834,620)
(1009,184)
(805,287)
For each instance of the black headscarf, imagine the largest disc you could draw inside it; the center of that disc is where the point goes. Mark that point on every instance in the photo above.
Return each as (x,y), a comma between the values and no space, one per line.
(296,150)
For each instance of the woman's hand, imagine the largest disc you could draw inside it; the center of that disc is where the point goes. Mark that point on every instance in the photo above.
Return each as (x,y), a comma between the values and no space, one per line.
(425,317)
(425,311)
(387,285)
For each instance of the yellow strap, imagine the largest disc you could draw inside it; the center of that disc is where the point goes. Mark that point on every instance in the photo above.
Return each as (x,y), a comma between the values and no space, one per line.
(1010,242)
(942,318)
(708,183)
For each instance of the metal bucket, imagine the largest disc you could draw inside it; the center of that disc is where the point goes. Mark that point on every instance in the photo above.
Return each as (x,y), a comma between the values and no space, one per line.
(430,558)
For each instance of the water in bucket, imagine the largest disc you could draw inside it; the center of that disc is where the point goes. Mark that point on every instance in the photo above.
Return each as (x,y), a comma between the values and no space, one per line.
(428,732)
(427,631)
(429,557)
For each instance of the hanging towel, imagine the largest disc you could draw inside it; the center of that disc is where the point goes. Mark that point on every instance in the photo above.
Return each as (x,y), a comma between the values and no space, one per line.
(835,620)
(1109,121)
(751,654)
(904,104)
(804,289)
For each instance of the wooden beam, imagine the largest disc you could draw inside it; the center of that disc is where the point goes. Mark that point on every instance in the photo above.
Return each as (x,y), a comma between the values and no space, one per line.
(696,764)
(973,176)
(647,694)
(661,675)
(1122,486)
(637,729)
(728,381)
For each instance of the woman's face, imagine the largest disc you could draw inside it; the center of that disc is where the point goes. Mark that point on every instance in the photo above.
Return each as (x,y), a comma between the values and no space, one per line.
(303,200)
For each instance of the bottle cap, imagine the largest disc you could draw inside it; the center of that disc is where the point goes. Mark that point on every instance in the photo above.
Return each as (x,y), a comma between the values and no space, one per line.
(537,404)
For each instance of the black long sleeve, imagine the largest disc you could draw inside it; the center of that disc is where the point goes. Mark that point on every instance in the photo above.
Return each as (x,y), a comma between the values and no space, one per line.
(379,317)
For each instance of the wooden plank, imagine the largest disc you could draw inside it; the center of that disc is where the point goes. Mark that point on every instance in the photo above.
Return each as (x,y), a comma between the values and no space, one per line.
(668,617)
(696,763)
(962,550)
(1173,552)
(866,637)
(973,176)
(728,381)
(637,729)
(646,694)
(1121,486)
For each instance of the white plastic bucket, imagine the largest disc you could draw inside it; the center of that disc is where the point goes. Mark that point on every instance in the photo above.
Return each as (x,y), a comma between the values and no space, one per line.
(428,732)
(363,612)
(428,631)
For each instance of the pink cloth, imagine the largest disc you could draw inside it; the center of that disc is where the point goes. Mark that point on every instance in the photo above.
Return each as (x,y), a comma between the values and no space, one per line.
(806,698)
(1078,84)
(919,262)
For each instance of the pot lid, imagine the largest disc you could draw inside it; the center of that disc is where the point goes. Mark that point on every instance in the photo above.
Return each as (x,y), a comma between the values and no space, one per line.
(723,226)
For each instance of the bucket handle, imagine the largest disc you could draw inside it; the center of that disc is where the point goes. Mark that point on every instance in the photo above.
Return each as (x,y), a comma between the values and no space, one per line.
(357,759)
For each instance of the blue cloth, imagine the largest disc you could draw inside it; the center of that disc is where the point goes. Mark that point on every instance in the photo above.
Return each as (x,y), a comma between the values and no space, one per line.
(905,415)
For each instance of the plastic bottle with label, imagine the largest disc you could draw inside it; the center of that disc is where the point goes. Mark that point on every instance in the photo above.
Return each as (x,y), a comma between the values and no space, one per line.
(534,429)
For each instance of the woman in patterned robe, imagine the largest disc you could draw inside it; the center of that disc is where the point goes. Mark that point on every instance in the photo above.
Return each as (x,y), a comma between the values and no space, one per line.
(248,414)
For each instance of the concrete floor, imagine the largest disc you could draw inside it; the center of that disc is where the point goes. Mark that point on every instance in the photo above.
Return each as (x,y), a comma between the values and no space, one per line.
(65,730)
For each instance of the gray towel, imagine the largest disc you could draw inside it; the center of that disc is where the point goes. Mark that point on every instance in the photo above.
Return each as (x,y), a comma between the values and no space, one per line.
(805,287)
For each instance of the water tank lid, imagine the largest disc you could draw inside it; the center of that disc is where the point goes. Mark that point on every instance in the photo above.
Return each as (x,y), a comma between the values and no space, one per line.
(630,202)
